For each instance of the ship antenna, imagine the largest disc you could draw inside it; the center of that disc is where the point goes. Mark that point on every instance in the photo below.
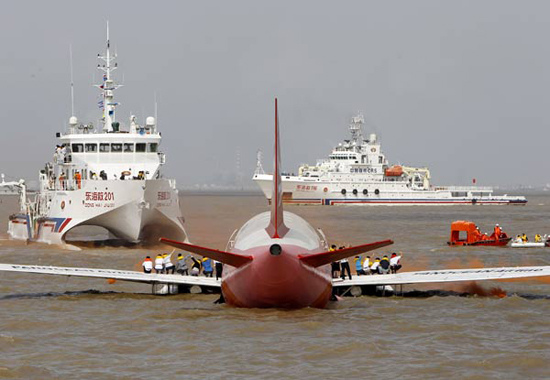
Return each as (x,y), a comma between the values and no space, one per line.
(108,86)
(259,166)
(355,128)
(72,78)
(156,110)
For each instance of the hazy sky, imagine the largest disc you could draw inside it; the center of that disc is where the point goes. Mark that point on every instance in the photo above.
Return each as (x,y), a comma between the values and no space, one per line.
(462,87)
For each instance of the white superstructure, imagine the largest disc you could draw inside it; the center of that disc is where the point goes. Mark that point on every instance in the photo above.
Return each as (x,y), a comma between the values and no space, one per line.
(109,177)
(357,172)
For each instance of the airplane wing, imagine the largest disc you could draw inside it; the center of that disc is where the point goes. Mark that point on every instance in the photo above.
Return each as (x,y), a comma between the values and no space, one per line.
(448,275)
(121,275)
(228,258)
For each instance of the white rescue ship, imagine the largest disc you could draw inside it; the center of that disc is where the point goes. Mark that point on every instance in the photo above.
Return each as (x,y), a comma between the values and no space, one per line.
(358,173)
(109,178)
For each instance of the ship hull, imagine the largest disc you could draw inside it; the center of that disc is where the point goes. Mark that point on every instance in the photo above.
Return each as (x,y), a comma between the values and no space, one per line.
(310,191)
(134,211)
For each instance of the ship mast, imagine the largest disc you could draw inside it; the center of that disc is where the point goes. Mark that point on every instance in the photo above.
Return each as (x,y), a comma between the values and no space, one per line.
(355,128)
(107,87)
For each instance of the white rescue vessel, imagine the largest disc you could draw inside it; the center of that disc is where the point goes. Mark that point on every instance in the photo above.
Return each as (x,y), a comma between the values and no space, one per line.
(109,178)
(358,173)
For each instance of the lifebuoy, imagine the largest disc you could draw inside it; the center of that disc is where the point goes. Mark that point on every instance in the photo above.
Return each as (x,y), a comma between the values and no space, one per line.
(376,191)
(325,189)
(355,191)
(365,191)
(344,191)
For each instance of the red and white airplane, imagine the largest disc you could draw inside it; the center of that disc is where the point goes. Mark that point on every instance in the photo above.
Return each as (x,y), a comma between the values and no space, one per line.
(277,259)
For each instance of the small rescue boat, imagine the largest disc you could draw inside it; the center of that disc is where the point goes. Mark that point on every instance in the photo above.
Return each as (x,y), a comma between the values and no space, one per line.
(467,233)
(519,243)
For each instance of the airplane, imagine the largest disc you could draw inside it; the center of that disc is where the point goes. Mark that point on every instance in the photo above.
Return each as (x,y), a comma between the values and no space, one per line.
(277,259)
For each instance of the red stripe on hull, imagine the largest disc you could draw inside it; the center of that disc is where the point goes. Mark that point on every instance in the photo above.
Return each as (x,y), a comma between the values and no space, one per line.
(67,221)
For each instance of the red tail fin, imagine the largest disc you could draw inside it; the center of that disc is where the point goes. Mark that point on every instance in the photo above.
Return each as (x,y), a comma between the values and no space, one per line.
(228,258)
(323,258)
(277,228)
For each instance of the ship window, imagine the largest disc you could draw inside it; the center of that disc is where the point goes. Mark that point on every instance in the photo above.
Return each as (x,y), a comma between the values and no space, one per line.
(140,147)
(128,147)
(104,148)
(380,159)
(77,148)
(153,147)
(117,148)
(459,194)
(91,147)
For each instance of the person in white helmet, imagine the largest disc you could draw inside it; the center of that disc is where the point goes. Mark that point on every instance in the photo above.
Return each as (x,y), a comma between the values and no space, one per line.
(498,231)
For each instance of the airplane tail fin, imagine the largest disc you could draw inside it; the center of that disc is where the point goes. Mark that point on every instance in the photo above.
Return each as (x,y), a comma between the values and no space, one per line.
(323,258)
(277,228)
(228,258)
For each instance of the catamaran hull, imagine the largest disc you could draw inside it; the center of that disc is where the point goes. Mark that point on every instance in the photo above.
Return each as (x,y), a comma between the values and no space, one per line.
(300,191)
(133,211)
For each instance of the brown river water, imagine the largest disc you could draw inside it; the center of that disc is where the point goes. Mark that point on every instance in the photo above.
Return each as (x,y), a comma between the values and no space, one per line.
(64,328)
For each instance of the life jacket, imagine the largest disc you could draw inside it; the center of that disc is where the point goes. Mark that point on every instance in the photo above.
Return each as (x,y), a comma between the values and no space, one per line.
(366,264)
(207,265)
(158,262)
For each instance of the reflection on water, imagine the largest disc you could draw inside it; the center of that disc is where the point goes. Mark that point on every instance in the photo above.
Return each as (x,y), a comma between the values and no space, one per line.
(53,327)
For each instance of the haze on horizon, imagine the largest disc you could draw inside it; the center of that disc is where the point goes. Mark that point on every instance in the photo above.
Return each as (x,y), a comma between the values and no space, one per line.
(460,87)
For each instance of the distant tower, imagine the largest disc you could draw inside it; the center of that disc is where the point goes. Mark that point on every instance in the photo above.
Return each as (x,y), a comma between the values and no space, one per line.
(239,178)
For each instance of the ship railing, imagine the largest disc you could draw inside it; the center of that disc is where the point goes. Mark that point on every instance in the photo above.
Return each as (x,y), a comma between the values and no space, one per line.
(463,188)
(162,158)
(68,185)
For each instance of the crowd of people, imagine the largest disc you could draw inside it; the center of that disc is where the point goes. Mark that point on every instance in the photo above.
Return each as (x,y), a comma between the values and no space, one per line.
(366,265)
(163,264)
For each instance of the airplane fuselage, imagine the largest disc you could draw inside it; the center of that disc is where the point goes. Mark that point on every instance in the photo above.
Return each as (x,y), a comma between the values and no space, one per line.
(276,277)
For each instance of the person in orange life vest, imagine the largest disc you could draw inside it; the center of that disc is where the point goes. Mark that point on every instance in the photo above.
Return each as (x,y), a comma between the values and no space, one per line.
(147,265)
(78,179)
(498,231)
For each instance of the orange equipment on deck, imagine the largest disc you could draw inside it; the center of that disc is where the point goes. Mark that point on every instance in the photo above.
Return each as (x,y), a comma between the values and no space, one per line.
(472,235)
(394,171)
